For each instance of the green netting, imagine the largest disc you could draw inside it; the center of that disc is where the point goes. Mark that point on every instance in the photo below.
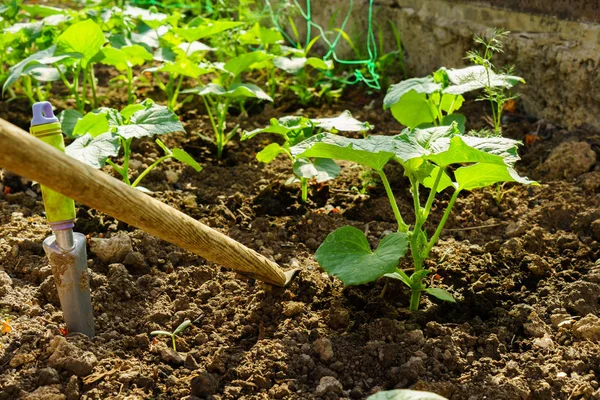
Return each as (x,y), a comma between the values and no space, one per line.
(371,79)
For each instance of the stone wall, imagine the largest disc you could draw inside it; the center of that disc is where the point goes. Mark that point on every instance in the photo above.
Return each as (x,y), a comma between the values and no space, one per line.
(558,57)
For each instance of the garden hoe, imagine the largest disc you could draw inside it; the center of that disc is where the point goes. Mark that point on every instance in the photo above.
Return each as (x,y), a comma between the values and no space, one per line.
(63,178)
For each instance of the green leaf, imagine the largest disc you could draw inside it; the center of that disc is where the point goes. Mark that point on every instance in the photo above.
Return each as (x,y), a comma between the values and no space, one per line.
(237,90)
(42,73)
(481,175)
(152,19)
(83,37)
(344,122)
(183,66)
(194,47)
(94,151)
(42,57)
(444,182)
(319,63)
(131,109)
(346,253)
(469,149)
(440,294)
(244,62)
(321,169)
(68,119)
(184,157)
(181,327)
(413,109)
(400,277)
(405,394)
(460,120)
(290,65)
(93,123)
(207,29)
(161,333)
(41,11)
(282,126)
(477,77)
(374,151)
(419,85)
(260,35)
(269,153)
(153,120)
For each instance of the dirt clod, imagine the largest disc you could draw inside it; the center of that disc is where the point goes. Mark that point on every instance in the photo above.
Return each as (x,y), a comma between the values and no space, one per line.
(588,328)
(111,250)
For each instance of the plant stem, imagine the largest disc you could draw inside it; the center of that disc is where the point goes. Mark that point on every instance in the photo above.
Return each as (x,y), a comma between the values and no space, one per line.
(150,168)
(173,339)
(402,226)
(126,143)
(438,231)
(415,299)
(93,86)
(176,93)
(304,183)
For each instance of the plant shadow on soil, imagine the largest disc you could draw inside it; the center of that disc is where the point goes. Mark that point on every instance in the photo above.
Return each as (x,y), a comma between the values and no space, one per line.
(522,269)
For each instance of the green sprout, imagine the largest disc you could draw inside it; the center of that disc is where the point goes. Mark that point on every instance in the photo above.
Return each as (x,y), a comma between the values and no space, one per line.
(173,334)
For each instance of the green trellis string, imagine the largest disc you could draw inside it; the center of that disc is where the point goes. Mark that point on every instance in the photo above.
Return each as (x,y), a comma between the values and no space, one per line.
(373,80)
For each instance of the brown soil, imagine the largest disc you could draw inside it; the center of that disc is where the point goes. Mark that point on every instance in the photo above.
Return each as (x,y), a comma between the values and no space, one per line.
(522,268)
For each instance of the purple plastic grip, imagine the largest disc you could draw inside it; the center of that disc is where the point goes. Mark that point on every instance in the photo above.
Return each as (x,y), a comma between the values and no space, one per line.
(42,113)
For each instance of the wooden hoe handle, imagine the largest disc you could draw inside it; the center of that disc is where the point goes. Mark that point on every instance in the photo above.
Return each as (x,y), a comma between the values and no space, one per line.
(29,157)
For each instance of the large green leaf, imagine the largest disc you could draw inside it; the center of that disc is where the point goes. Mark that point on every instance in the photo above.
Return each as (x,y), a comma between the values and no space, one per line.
(470,149)
(94,123)
(150,18)
(68,119)
(424,85)
(194,47)
(405,394)
(84,37)
(344,122)
(183,66)
(477,77)
(260,35)
(321,169)
(413,109)
(346,253)
(373,151)
(153,120)
(94,151)
(124,57)
(244,62)
(42,57)
(481,175)
(207,29)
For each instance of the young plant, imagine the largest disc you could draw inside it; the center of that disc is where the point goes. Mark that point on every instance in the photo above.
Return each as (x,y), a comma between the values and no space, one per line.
(124,59)
(227,90)
(496,95)
(295,129)
(435,158)
(103,132)
(433,100)
(173,334)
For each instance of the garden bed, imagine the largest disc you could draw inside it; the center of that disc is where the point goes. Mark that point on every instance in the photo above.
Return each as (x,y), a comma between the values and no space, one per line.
(521,266)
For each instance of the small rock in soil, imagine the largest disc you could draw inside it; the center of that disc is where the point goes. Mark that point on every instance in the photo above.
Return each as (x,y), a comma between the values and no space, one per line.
(590,181)
(568,160)
(46,393)
(48,376)
(412,369)
(328,385)
(535,327)
(204,384)
(292,308)
(279,391)
(581,297)
(536,264)
(21,359)
(339,318)
(72,389)
(112,250)
(135,261)
(5,283)
(544,342)
(588,328)
(120,281)
(68,357)
(324,349)
(170,356)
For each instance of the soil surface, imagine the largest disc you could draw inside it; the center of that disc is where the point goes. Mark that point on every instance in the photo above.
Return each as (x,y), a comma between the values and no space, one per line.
(521,262)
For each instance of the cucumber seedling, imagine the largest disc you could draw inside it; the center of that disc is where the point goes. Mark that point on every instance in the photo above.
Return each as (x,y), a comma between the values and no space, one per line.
(173,334)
